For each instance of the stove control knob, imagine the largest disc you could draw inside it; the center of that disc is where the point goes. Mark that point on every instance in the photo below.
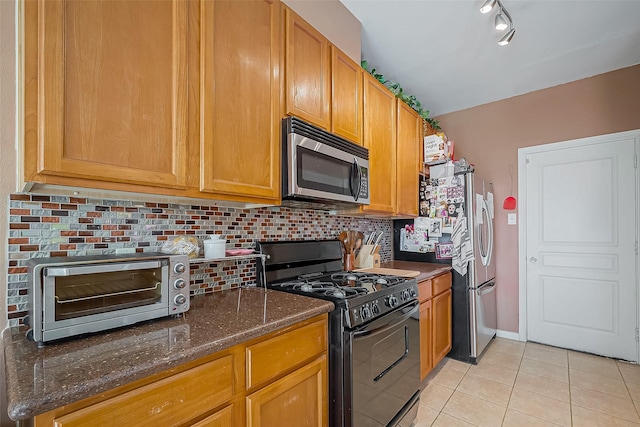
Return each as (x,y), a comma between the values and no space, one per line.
(179,284)
(405,295)
(374,308)
(413,293)
(365,312)
(391,301)
(180,299)
(179,268)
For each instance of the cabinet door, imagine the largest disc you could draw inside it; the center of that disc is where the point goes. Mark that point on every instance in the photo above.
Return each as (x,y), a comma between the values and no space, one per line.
(222,418)
(408,143)
(307,72)
(240,99)
(299,398)
(380,139)
(346,96)
(426,339)
(112,90)
(441,305)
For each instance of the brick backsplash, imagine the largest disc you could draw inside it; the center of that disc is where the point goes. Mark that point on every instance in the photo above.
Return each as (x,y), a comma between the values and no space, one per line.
(43,226)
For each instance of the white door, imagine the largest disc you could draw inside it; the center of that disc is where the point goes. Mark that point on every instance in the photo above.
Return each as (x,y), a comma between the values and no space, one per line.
(580,230)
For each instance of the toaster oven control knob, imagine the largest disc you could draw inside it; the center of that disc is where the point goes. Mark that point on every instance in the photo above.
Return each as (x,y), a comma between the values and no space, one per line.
(179,268)
(180,299)
(179,284)
(391,301)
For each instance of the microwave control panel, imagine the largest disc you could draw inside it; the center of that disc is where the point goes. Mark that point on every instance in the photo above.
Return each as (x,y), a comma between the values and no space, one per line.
(364,183)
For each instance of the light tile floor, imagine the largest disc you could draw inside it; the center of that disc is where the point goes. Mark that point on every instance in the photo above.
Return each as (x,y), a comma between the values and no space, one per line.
(520,384)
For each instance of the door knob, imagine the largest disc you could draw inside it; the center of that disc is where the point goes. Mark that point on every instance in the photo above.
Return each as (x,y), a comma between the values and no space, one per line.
(533,259)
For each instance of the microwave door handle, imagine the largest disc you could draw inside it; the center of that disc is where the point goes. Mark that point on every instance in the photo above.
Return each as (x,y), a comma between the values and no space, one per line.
(358,183)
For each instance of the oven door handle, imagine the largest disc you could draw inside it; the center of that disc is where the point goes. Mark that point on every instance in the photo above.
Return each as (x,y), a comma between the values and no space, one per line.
(388,326)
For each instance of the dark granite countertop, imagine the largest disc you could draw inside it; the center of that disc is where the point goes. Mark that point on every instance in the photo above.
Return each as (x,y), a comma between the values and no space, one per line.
(427,270)
(41,379)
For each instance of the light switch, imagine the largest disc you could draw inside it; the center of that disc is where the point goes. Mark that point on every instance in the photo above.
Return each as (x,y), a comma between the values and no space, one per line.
(511,219)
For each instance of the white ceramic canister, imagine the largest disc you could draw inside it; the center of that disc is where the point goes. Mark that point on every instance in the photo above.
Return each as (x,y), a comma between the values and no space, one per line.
(214,248)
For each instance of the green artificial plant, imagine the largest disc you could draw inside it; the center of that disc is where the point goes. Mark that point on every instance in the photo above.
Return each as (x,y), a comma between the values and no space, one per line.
(397,90)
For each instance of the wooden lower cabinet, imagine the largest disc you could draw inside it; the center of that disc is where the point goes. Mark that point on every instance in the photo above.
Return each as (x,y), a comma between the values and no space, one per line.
(297,399)
(426,363)
(441,326)
(223,418)
(435,321)
(213,391)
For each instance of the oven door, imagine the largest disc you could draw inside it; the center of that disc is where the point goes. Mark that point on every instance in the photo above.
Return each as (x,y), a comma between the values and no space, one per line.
(78,295)
(385,366)
(317,170)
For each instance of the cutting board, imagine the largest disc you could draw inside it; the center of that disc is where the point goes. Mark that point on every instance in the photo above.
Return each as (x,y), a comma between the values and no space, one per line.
(391,271)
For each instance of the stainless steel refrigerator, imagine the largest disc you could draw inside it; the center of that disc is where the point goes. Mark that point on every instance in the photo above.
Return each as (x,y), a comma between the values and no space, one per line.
(474,317)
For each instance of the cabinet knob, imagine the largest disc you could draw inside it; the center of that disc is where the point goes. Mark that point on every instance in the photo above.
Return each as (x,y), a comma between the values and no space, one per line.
(533,259)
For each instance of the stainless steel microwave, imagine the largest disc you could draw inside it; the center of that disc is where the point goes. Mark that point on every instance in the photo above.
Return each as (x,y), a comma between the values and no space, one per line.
(77,295)
(322,169)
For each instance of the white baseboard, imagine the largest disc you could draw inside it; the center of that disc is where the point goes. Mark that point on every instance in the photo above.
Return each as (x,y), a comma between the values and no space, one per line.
(508,335)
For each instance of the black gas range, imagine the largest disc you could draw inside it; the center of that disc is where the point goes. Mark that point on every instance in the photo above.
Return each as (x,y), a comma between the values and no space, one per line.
(374,358)
(364,296)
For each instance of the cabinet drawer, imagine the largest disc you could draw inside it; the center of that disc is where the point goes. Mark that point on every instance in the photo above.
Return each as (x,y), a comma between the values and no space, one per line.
(168,402)
(270,358)
(424,290)
(441,283)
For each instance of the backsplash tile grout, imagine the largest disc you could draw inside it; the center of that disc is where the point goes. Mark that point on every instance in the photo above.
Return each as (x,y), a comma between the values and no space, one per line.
(44,226)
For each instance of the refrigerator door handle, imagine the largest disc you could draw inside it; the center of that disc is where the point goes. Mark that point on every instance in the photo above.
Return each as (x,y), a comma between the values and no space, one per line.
(486,248)
(485,289)
(490,232)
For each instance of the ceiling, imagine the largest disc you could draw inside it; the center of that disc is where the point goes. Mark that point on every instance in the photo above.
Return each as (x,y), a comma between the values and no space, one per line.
(445,52)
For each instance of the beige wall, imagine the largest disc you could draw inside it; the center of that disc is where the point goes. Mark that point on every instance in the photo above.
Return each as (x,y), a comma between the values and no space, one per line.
(7,136)
(489,136)
(334,21)
(7,161)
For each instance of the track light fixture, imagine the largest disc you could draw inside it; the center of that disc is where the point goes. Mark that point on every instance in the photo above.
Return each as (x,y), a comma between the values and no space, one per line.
(487,6)
(500,22)
(507,37)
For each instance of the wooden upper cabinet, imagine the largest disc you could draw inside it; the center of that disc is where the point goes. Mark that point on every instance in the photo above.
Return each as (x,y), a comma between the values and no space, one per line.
(346,96)
(240,99)
(380,138)
(407,161)
(307,72)
(106,94)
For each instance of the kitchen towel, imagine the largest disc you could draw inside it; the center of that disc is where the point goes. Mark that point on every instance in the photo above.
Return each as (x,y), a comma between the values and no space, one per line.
(462,248)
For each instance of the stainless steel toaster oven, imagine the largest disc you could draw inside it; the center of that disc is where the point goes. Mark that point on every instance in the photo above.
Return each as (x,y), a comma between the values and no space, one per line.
(77,295)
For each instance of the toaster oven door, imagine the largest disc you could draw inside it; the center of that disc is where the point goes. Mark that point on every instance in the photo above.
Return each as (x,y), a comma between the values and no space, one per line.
(77,295)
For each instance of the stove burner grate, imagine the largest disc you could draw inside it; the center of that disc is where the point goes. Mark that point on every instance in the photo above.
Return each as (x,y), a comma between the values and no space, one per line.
(330,289)
(352,278)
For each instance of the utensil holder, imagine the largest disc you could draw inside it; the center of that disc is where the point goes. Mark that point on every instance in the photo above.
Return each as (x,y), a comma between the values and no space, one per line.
(366,259)
(349,261)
